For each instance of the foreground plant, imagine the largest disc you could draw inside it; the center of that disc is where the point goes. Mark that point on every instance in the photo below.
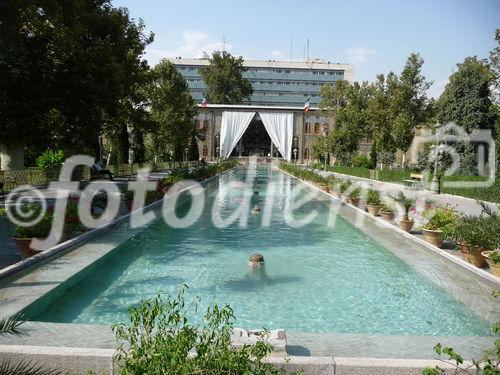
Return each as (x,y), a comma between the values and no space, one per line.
(159,340)
(9,366)
(488,365)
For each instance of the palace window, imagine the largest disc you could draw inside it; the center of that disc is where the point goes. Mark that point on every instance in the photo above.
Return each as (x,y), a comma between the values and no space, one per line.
(307,128)
(306,153)
(317,128)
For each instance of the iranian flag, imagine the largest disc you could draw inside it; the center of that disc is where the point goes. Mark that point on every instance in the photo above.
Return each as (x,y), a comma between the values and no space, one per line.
(204,102)
(307,105)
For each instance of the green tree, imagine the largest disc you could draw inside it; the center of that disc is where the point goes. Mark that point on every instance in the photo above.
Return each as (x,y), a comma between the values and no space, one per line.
(172,110)
(346,104)
(495,67)
(381,116)
(409,103)
(68,69)
(466,100)
(224,79)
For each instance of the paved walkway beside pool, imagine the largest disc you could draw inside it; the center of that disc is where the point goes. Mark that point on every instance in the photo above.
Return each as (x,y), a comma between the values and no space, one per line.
(467,206)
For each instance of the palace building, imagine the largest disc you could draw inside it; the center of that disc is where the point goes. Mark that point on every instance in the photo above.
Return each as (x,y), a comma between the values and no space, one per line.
(272,122)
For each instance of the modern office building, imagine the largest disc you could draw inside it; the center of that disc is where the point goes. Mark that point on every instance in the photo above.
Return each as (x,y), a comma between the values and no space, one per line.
(275,83)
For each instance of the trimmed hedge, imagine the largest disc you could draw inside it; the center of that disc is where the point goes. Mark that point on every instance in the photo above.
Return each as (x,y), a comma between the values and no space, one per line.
(397,176)
(490,193)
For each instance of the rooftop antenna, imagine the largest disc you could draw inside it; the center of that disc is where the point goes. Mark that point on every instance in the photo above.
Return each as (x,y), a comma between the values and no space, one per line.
(304,54)
(223,42)
(307,49)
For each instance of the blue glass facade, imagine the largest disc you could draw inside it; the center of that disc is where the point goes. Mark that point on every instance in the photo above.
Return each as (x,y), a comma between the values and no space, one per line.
(274,83)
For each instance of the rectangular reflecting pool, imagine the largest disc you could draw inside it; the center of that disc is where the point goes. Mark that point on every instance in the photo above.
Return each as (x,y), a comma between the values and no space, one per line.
(341,278)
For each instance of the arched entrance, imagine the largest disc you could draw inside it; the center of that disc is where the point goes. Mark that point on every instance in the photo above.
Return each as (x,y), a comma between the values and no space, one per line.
(255,141)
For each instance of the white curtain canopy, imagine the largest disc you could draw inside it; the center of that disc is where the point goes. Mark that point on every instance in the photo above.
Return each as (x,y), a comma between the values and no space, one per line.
(233,126)
(280,129)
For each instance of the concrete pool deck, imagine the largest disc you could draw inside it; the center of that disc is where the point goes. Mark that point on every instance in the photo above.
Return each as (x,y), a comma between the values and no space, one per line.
(333,353)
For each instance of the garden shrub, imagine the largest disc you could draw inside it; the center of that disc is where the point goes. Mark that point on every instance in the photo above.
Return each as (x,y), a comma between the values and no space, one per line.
(159,340)
(490,193)
(50,159)
(397,176)
(361,161)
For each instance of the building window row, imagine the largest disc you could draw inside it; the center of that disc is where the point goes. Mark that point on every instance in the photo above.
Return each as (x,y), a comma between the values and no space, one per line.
(275,93)
(290,83)
(297,71)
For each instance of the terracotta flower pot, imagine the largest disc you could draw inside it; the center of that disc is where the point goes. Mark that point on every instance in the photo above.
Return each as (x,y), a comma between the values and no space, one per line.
(434,237)
(472,254)
(406,225)
(373,209)
(23,245)
(354,202)
(387,215)
(494,267)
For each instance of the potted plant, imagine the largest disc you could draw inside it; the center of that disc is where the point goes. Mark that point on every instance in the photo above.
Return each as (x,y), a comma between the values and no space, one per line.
(387,210)
(344,186)
(407,204)
(335,188)
(373,202)
(475,235)
(493,260)
(23,235)
(440,224)
(354,195)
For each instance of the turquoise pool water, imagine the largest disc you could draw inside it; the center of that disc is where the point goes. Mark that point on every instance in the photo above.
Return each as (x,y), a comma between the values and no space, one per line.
(317,278)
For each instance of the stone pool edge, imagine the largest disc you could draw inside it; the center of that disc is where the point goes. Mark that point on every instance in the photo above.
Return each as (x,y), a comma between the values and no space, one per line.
(80,360)
(485,276)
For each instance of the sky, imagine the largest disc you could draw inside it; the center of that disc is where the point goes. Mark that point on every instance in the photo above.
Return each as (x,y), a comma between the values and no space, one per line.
(374,36)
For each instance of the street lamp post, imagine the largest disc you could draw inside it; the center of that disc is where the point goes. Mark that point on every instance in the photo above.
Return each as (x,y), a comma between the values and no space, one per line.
(186,150)
(435,178)
(295,151)
(217,150)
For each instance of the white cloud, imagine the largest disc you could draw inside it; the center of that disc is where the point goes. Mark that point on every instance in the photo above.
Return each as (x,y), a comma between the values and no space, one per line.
(359,55)
(193,44)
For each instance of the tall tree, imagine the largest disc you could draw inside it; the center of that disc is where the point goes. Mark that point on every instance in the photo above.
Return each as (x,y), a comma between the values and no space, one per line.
(495,67)
(71,65)
(409,103)
(466,100)
(224,79)
(346,104)
(172,110)
(380,114)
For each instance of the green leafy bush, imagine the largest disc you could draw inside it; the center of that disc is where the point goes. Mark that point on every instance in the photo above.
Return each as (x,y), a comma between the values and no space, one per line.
(489,193)
(442,218)
(361,161)
(304,174)
(39,230)
(373,197)
(355,193)
(481,231)
(50,159)
(159,340)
